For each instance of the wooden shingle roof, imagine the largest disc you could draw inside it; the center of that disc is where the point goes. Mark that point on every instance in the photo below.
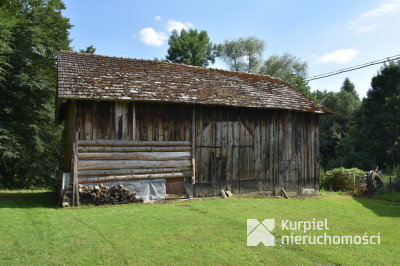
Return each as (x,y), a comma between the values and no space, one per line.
(95,77)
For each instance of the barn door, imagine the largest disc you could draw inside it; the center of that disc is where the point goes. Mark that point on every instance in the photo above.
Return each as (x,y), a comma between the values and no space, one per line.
(225,157)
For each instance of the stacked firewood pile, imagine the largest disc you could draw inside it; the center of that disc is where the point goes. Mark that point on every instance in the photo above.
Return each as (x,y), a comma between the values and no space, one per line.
(100,194)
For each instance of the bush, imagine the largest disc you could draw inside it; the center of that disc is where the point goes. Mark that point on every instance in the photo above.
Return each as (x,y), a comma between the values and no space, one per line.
(341,179)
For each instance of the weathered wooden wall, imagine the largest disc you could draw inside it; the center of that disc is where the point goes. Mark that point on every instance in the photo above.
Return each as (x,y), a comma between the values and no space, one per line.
(250,150)
(244,149)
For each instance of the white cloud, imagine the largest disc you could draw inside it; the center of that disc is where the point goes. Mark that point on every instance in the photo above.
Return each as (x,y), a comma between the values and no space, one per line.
(361,27)
(150,37)
(369,20)
(339,57)
(157,17)
(178,26)
(384,9)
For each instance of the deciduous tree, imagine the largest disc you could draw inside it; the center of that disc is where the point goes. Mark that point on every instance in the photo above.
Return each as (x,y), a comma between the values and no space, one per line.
(192,47)
(29,139)
(286,67)
(243,54)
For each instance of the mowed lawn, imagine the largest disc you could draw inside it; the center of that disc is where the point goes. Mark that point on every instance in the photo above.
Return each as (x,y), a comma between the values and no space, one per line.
(211,231)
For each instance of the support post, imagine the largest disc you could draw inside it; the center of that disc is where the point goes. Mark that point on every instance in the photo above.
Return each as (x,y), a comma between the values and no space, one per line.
(194,145)
(75,185)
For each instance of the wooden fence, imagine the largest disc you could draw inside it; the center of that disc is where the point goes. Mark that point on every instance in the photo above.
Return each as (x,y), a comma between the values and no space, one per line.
(347,180)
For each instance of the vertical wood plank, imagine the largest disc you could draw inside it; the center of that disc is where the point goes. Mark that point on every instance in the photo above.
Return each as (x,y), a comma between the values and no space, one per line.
(134,121)
(88,120)
(94,119)
(193,145)
(316,125)
(121,120)
(112,120)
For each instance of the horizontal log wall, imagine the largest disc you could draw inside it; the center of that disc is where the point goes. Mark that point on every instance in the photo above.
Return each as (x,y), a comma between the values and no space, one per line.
(103,161)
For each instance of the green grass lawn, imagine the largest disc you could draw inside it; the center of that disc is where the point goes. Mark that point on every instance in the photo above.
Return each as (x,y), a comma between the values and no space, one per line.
(391,196)
(212,231)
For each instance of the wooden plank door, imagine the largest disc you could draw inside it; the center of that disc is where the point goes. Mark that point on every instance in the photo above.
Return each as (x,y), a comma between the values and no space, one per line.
(243,161)
(225,157)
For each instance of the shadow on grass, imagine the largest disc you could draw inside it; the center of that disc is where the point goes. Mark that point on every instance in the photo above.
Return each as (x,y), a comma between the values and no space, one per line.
(27,199)
(381,207)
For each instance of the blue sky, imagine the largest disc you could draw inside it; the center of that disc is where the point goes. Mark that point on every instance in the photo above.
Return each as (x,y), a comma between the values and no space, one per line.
(329,35)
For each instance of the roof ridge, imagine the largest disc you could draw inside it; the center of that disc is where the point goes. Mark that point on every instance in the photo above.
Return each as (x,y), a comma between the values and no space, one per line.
(179,64)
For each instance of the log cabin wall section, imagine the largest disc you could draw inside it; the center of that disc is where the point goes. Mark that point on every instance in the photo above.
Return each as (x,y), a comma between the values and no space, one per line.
(242,149)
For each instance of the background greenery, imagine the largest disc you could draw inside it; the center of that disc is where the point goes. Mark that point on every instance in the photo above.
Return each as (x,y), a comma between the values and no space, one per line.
(32,32)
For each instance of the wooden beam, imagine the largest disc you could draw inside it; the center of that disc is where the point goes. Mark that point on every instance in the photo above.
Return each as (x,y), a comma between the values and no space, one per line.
(103,179)
(131,171)
(122,164)
(131,149)
(145,156)
(193,145)
(284,193)
(124,143)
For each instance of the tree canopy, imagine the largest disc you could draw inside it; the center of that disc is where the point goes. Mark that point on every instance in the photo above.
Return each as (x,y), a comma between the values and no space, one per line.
(32,32)
(380,117)
(335,127)
(89,50)
(243,54)
(192,47)
(286,67)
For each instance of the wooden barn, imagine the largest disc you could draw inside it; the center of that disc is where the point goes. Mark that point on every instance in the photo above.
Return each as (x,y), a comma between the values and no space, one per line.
(129,120)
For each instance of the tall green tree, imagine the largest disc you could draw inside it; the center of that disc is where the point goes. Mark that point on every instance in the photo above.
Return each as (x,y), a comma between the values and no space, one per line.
(29,139)
(192,47)
(349,87)
(335,127)
(286,67)
(378,122)
(374,137)
(243,54)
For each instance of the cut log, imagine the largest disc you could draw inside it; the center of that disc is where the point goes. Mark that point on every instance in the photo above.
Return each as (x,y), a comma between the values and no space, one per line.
(145,156)
(132,149)
(131,171)
(104,179)
(116,164)
(120,143)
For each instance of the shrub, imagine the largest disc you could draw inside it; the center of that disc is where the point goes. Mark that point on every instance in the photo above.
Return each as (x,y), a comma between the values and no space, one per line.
(341,179)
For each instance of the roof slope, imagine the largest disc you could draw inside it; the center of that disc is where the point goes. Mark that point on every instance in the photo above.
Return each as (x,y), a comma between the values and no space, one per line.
(88,76)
